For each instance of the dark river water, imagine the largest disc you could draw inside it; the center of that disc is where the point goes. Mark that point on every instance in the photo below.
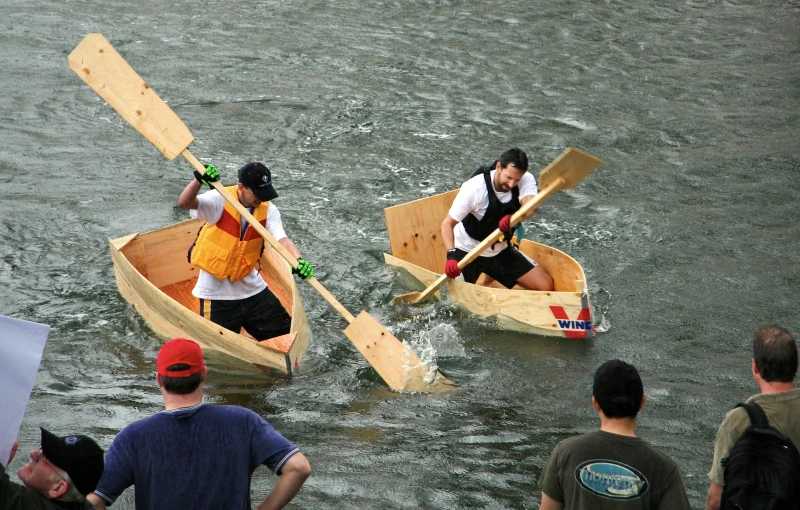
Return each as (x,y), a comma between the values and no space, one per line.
(688,232)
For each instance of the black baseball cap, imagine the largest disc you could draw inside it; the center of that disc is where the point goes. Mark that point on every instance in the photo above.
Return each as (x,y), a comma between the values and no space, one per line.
(258,178)
(80,456)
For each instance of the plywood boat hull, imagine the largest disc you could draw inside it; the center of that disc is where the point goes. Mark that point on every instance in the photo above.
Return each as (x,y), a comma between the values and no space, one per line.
(417,248)
(153,274)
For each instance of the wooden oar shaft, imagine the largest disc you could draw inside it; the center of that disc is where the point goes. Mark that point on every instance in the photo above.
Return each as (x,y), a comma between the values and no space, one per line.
(327,296)
(518,216)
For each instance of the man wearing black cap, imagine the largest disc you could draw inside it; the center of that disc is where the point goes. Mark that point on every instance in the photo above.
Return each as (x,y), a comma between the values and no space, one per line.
(611,468)
(228,253)
(61,472)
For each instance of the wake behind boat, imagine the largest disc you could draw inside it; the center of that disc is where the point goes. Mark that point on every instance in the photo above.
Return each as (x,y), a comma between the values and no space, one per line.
(154,275)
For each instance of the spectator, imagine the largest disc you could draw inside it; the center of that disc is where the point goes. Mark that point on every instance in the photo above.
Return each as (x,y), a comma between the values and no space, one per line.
(194,455)
(611,468)
(774,367)
(61,472)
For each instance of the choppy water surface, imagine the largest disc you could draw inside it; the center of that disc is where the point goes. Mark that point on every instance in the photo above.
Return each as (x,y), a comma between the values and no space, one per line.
(688,231)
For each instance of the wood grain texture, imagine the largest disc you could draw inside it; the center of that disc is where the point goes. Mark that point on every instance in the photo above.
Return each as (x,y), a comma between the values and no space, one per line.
(171,310)
(97,63)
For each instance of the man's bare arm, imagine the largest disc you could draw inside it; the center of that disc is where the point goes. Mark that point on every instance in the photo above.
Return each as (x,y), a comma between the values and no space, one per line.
(98,502)
(293,475)
(549,503)
(714,498)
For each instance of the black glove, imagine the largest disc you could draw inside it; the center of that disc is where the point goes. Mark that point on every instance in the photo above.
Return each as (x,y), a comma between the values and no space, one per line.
(211,175)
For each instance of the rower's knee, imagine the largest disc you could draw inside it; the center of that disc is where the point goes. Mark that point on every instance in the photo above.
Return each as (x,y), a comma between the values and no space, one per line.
(538,279)
(548,282)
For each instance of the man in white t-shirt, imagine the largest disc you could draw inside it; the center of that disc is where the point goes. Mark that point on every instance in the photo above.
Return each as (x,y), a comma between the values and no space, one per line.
(484,203)
(228,253)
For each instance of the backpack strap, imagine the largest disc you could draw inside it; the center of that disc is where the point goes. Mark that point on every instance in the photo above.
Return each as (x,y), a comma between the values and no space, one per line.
(757,415)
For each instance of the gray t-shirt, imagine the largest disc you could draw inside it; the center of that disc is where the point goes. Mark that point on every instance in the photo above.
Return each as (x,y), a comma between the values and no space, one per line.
(605,471)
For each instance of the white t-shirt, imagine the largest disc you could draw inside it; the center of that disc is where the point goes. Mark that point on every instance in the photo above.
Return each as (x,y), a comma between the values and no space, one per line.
(473,198)
(209,287)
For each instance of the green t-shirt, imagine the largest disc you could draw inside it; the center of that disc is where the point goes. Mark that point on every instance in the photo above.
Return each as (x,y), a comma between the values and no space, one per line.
(783,413)
(605,471)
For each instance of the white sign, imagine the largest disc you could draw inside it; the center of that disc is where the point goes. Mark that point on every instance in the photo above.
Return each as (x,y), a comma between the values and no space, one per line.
(21,348)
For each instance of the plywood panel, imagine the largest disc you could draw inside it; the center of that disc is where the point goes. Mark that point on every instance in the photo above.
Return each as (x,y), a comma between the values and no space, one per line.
(415,230)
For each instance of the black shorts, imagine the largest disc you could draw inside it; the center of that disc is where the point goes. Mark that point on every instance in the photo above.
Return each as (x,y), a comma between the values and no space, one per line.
(262,315)
(506,267)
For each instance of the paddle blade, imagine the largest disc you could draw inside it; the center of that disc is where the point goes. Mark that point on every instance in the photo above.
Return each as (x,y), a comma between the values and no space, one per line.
(573,165)
(395,362)
(103,69)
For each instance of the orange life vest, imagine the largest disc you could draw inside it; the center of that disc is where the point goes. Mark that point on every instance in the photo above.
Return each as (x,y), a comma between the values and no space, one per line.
(221,252)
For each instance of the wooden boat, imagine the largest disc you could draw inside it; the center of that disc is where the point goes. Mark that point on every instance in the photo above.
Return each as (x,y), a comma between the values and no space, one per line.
(417,248)
(154,275)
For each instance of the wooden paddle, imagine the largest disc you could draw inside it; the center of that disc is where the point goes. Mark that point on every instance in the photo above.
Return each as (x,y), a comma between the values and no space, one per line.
(105,71)
(565,172)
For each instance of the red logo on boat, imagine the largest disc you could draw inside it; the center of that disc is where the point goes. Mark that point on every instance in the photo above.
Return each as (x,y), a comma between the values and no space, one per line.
(578,328)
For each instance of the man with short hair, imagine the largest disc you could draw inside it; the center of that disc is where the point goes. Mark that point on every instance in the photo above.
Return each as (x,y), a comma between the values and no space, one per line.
(774,367)
(611,468)
(194,455)
(228,253)
(61,472)
(485,203)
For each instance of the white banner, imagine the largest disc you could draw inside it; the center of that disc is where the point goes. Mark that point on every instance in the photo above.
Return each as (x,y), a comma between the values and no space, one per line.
(21,348)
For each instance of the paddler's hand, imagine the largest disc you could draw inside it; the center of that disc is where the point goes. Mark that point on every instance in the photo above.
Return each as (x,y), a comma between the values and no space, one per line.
(451,266)
(505,225)
(211,175)
(304,269)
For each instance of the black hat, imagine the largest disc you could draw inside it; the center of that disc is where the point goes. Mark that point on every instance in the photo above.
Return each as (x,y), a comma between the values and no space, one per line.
(258,178)
(78,455)
(616,378)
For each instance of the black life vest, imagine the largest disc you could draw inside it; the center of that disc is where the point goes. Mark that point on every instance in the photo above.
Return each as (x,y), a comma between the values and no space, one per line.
(481,229)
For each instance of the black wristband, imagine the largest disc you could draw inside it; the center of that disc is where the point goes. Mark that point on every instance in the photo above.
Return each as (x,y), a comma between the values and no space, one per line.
(452,254)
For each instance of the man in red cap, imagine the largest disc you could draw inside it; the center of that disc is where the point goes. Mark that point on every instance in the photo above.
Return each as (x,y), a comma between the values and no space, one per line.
(228,251)
(196,455)
(61,472)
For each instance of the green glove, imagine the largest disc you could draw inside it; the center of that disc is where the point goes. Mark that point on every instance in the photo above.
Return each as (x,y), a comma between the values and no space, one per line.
(304,269)
(211,175)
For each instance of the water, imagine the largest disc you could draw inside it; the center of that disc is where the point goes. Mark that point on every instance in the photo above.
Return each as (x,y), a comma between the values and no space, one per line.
(688,231)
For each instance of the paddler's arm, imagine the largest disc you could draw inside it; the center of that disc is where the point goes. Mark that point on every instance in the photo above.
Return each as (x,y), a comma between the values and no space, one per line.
(188,198)
(523,201)
(294,473)
(304,267)
(290,247)
(448,238)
